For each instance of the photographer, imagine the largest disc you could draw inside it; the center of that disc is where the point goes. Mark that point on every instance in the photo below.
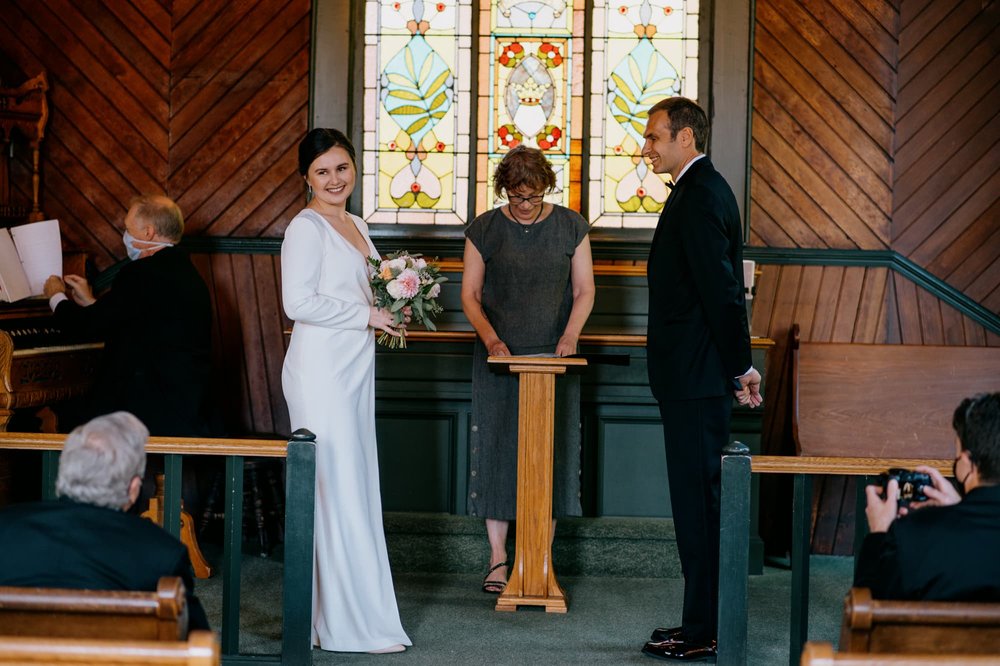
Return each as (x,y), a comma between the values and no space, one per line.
(947,547)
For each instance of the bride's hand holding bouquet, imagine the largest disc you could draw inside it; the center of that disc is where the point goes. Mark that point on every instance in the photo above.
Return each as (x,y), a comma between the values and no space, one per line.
(406,286)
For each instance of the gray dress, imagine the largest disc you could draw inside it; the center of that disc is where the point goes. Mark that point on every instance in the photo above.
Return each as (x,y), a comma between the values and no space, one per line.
(527,298)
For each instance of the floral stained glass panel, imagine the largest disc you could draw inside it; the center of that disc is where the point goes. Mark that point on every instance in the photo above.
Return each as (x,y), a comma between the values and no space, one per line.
(417,99)
(644,51)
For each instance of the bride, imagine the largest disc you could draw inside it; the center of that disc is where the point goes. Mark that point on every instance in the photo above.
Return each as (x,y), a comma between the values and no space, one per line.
(329,384)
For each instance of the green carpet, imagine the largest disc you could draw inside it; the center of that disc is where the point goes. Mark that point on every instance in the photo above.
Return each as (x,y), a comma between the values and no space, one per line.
(450,621)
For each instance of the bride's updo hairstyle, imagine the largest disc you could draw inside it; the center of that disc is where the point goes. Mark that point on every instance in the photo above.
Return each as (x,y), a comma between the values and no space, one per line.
(317,142)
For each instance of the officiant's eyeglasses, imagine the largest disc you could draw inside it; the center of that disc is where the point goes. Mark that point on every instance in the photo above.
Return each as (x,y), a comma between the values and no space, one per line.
(535,199)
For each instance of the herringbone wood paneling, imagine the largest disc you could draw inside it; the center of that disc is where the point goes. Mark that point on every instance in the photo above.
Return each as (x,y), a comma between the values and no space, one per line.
(202,100)
(947,172)
(824,75)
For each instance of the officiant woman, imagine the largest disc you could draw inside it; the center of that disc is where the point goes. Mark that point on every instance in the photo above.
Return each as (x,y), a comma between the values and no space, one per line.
(527,288)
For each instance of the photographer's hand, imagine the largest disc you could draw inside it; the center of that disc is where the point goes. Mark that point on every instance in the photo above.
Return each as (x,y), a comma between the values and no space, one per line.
(881,512)
(941,493)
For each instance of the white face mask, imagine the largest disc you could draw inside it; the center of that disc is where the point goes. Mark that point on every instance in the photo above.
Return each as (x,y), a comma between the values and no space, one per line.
(133,252)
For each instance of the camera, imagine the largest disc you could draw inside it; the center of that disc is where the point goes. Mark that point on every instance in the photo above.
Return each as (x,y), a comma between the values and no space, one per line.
(911,484)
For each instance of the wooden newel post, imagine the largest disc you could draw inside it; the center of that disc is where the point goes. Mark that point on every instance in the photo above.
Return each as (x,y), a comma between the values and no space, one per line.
(532,580)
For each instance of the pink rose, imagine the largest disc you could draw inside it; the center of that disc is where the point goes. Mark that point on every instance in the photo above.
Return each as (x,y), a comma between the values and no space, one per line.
(409,283)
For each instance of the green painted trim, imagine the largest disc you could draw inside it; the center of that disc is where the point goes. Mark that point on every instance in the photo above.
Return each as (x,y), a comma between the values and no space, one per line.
(626,244)
(881,259)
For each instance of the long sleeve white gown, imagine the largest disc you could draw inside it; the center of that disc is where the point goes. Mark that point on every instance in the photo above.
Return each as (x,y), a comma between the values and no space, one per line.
(329,384)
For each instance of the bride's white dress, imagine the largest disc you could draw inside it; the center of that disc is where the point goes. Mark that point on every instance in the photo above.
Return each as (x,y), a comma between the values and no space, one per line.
(329,384)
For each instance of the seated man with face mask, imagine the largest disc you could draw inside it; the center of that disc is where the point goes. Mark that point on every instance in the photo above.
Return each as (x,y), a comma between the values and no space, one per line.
(155,323)
(948,547)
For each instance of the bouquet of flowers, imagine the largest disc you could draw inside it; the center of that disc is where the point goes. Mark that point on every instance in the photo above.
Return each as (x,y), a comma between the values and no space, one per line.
(407,286)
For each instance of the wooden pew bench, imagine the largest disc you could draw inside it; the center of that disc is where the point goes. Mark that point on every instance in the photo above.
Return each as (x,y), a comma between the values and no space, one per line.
(822,654)
(918,627)
(883,401)
(153,616)
(200,649)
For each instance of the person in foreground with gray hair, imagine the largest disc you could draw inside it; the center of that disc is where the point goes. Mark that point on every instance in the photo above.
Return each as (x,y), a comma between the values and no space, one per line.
(86,539)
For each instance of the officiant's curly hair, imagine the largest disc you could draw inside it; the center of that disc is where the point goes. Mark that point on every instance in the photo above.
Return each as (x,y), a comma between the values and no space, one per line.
(320,140)
(524,167)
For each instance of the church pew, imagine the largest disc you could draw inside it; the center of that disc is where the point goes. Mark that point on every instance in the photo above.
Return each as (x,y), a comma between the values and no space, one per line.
(822,654)
(200,649)
(47,612)
(918,627)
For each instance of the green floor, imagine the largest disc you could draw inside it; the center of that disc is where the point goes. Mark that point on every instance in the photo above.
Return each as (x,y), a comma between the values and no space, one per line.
(450,621)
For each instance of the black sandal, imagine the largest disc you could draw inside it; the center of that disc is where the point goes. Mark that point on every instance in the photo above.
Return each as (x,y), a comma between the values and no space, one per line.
(494,586)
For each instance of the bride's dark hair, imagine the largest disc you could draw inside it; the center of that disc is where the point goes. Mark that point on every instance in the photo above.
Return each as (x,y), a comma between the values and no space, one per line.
(317,142)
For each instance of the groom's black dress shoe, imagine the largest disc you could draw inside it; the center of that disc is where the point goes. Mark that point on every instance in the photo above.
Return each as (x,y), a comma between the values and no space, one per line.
(681,650)
(663,634)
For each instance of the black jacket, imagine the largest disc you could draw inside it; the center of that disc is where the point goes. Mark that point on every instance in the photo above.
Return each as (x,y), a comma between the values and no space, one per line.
(949,553)
(698,339)
(155,323)
(79,546)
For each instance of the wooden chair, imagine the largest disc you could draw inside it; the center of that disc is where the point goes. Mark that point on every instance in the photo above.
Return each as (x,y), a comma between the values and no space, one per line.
(200,649)
(822,654)
(59,613)
(918,627)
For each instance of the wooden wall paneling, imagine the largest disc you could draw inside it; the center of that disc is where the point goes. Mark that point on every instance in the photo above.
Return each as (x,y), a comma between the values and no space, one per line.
(932,57)
(850,179)
(779,73)
(213,30)
(770,214)
(870,307)
(272,337)
(948,190)
(859,33)
(975,334)
(952,327)
(910,329)
(239,68)
(828,496)
(148,20)
(248,69)
(235,383)
(244,180)
(986,287)
(865,101)
(810,193)
(264,189)
(964,232)
(931,326)
(826,305)
(886,13)
(970,252)
(274,213)
(954,120)
(188,23)
(250,326)
(843,539)
(848,304)
(918,18)
(992,339)
(777,166)
(889,326)
(200,148)
(119,27)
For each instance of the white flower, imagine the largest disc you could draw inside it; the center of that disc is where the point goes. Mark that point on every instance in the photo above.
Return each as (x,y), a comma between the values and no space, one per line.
(434,291)
(419,263)
(397,264)
(394,288)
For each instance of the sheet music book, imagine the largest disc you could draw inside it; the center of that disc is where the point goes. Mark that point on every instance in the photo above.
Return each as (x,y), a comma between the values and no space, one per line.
(29,254)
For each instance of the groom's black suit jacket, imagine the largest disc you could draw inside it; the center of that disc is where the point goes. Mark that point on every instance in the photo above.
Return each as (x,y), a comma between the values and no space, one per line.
(698,340)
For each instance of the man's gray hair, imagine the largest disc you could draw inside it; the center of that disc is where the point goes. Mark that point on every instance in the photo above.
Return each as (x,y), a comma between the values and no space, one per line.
(100,459)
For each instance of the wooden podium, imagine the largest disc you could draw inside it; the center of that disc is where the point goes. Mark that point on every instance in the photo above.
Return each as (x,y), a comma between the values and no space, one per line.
(532,580)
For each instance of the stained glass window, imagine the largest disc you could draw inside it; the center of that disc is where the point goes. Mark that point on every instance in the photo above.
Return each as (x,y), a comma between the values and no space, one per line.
(532,87)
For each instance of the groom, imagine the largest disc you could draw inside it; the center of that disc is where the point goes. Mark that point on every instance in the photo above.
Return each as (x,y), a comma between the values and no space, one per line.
(698,347)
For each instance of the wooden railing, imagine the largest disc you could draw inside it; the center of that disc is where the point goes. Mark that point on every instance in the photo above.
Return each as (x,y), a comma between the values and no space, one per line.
(737,469)
(300,471)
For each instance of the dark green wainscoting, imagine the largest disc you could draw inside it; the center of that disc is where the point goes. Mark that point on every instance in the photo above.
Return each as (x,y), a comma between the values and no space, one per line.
(423,410)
